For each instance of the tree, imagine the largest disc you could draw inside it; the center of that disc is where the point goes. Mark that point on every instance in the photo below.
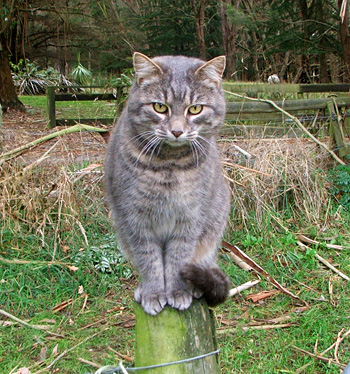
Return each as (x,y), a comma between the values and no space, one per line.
(229,33)
(343,6)
(8,95)
(199,15)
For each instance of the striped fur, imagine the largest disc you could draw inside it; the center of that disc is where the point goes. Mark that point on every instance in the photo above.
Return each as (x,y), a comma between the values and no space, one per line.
(167,194)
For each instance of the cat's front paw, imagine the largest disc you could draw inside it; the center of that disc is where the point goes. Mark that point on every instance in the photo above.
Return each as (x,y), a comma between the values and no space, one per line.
(179,299)
(152,302)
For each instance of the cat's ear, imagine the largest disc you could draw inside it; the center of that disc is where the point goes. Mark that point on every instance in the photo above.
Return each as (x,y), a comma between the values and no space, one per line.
(145,67)
(213,69)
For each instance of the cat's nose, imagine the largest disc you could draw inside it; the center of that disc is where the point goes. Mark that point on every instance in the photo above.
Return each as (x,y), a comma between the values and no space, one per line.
(177,133)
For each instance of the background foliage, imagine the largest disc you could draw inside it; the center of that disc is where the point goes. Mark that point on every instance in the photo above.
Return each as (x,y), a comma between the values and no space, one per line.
(299,40)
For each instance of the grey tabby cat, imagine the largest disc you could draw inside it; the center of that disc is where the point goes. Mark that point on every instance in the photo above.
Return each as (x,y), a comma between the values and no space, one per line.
(165,187)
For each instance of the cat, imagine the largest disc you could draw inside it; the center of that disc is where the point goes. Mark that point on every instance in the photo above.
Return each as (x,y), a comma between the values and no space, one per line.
(164,182)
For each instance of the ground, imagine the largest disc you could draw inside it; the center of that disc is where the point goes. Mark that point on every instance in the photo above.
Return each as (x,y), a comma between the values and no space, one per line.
(59,266)
(21,128)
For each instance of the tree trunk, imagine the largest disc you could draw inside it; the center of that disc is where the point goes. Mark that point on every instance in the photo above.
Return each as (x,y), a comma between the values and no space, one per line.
(175,335)
(8,95)
(229,34)
(199,16)
(324,76)
(345,40)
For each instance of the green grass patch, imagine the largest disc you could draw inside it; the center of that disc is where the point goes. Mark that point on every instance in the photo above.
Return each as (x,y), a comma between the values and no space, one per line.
(60,268)
(75,109)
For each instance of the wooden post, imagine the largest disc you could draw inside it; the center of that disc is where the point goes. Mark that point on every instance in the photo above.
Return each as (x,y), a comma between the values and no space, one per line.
(173,335)
(51,106)
(336,129)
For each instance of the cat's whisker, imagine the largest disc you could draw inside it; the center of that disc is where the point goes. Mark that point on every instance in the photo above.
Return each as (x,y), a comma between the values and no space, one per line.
(154,148)
(207,141)
(140,136)
(200,147)
(147,147)
(195,153)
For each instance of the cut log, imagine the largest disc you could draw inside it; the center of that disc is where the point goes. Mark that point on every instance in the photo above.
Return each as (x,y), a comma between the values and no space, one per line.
(175,335)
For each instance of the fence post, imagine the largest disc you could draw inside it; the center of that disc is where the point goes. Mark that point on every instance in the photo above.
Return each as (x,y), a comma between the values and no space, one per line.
(51,106)
(175,335)
(336,129)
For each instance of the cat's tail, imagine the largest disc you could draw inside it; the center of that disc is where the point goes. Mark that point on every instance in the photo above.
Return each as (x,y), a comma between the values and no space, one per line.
(211,281)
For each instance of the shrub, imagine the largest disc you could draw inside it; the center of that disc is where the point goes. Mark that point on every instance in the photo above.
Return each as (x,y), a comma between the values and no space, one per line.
(340,180)
(29,79)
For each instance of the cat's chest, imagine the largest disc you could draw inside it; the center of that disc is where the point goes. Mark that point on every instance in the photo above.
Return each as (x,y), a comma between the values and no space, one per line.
(172,187)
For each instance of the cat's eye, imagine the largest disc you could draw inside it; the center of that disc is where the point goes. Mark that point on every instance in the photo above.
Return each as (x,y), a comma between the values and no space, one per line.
(160,108)
(195,109)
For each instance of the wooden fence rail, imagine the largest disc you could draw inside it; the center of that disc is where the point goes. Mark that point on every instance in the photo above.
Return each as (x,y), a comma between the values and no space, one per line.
(286,88)
(337,108)
(52,96)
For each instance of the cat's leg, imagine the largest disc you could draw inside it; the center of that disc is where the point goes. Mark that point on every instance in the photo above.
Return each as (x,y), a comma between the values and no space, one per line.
(148,260)
(205,274)
(179,292)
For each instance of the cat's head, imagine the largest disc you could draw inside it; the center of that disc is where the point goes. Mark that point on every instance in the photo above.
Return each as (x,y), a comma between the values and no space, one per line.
(178,99)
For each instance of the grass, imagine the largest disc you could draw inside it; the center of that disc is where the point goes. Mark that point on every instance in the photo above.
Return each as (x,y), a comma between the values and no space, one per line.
(74,109)
(60,268)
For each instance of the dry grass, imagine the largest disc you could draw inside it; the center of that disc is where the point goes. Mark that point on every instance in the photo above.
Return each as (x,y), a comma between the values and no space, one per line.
(49,200)
(284,177)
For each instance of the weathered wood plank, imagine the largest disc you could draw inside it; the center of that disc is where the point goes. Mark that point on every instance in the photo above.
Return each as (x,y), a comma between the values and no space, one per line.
(288,105)
(85,97)
(74,121)
(284,88)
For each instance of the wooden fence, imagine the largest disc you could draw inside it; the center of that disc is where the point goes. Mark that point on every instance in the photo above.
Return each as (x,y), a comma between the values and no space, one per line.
(333,109)
(52,96)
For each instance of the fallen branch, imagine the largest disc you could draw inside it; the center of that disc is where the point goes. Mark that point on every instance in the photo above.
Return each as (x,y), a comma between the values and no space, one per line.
(305,239)
(319,357)
(295,120)
(225,330)
(45,263)
(325,262)
(124,357)
(240,254)
(24,323)
(18,151)
(242,151)
(87,362)
(262,295)
(226,163)
(243,287)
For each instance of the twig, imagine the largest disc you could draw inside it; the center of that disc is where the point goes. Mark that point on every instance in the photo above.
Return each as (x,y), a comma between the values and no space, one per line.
(24,323)
(69,350)
(258,269)
(249,328)
(305,239)
(244,153)
(245,168)
(337,343)
(243,287)
(76,128)
(233,181)
(295,119)
(302,368)
(89,363)
(321,358)
(126,358)
(45,263)
(325,262)
(330,290)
